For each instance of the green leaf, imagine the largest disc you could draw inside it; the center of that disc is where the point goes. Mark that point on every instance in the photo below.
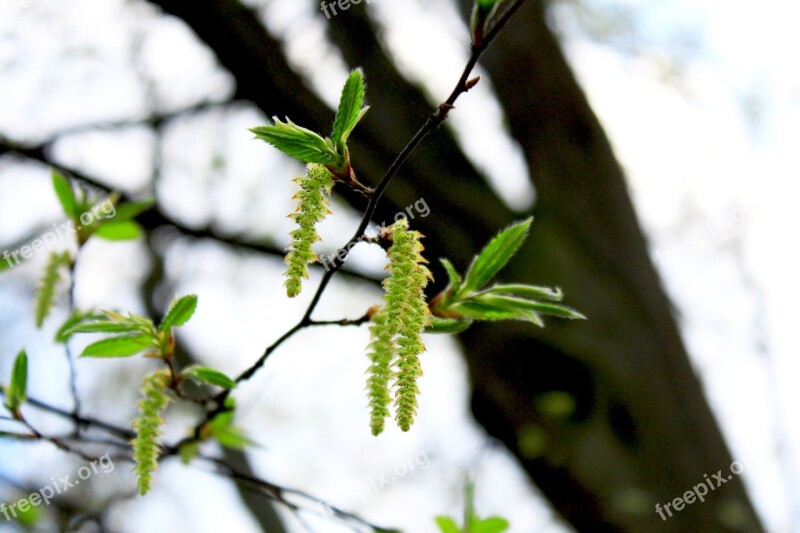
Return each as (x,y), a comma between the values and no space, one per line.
(495,256)
(209,376)
(118,230)
(297,142)
(350,108)
(29,518)
(483,11)
(188,450)
(512,302)
(221,428)
(123,346)
(46,292)
(447,524)
(452,275)
(72,320)
(7,264)
(142,321)
(114,316)
(65,195)
(130,210)
(557,404)
(102,327)
(18,386)
(179,312)
(488,311)
(492,524)
(531,292)
(232,437)
(447,325)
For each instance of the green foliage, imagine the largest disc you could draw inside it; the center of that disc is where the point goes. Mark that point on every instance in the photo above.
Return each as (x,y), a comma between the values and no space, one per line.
(482,12)
(179,313)
(72,320)
(136,333)
(531,292)
(29,518)
(121,228)
(18,385)
(65,195)
(472,523)
(467,300)
(397,329)
(298,142)
(447,325)
(488,525)
(46,292)
(495,255)
(221,429)
(310,147)
(121,346)
(7,264)
(100,325)
(209,376)
(315,190)
(118,230)
(327,160)
(188,450)
(147,445)
(130,210)
(351,108)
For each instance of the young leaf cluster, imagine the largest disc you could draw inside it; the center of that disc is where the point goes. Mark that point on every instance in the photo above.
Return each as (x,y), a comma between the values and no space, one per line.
(133,333)
(75,205)
(221,429)
(328,161)
(315,190)
(16,393)
(310,147)
(482,12)
(471,298)
(397,330)
(117,221)
(472,522)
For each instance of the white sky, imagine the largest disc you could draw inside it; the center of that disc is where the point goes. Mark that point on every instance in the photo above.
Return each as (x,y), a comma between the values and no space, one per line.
(710,152)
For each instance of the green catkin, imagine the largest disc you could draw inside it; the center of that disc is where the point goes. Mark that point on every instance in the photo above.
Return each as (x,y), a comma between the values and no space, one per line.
(46,292)
(397,330)
(146,445)
(315,190)
(381,353)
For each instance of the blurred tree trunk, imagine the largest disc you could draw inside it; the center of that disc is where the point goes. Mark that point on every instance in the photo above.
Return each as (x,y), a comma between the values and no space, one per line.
(641,432)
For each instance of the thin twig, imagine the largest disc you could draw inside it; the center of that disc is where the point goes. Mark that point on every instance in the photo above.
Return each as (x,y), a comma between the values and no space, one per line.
(220,467)
(344,322)
(73,375)
(433,121)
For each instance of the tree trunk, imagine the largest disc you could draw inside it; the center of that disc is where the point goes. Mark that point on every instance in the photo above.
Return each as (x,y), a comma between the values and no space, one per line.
(641,432)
